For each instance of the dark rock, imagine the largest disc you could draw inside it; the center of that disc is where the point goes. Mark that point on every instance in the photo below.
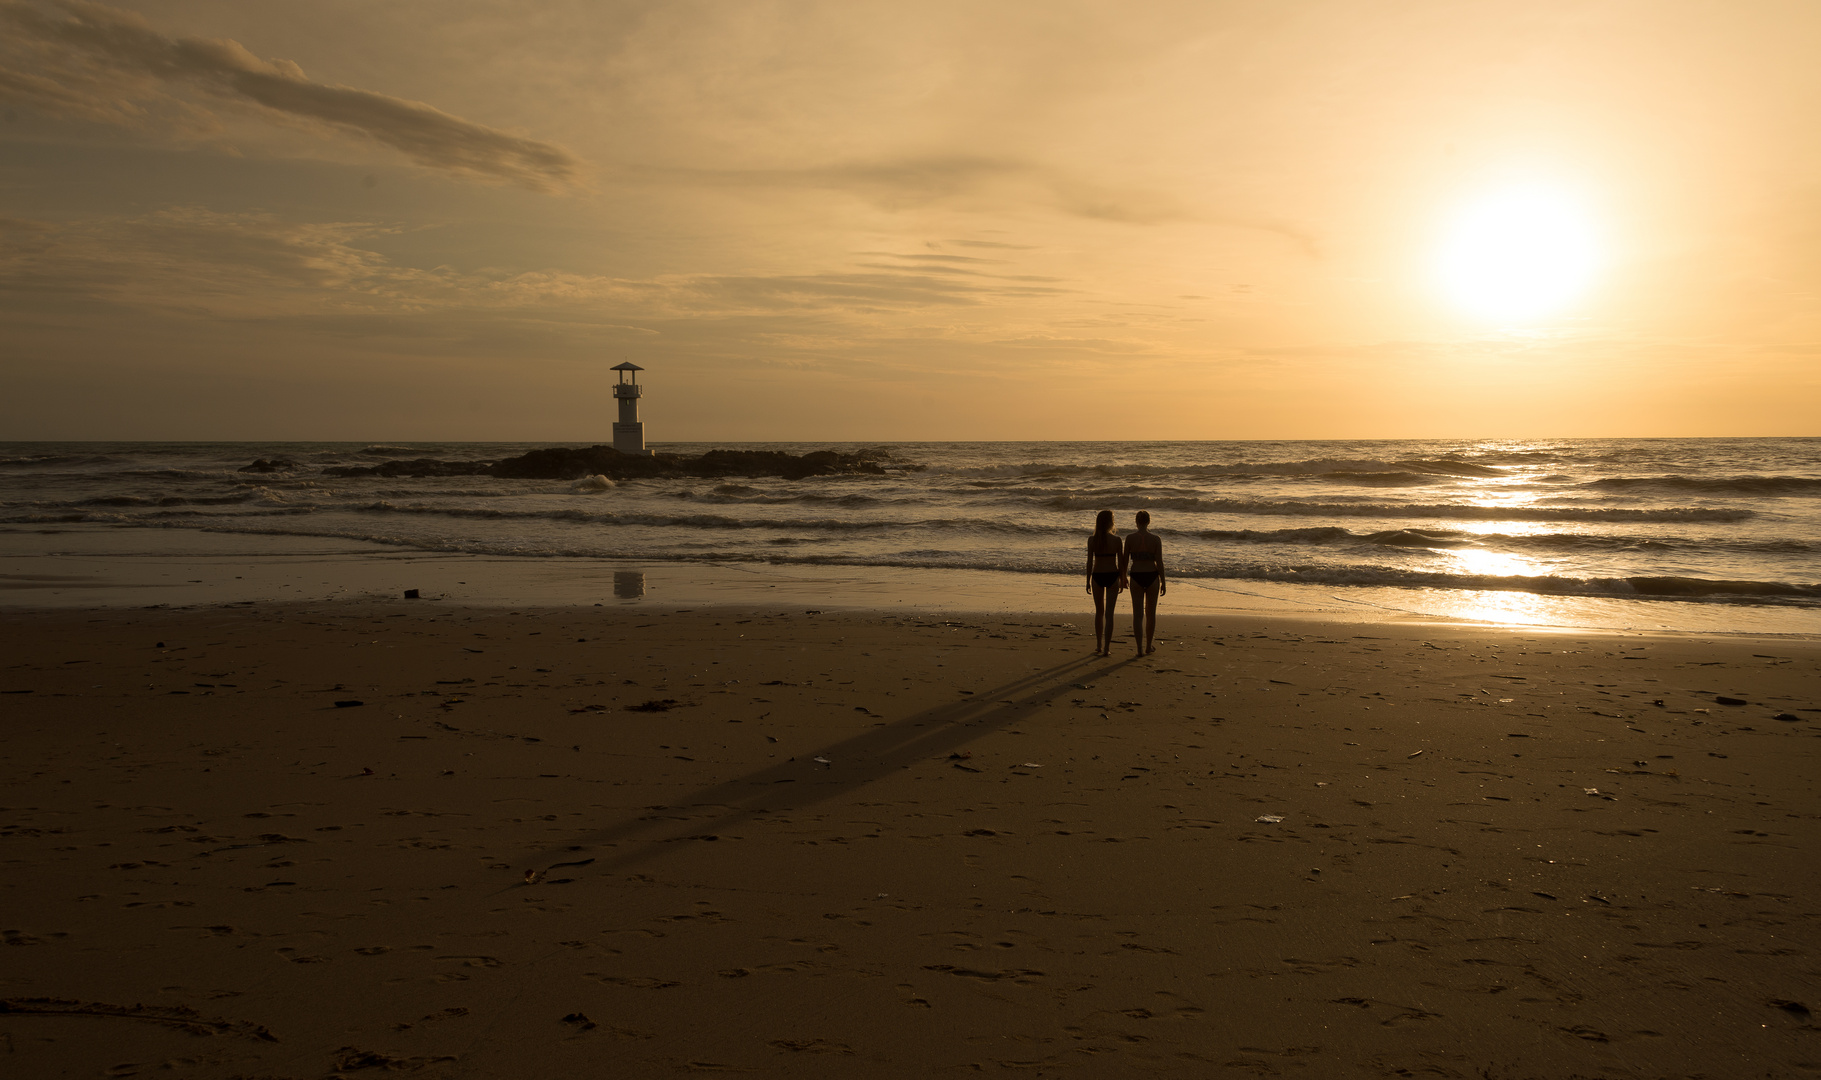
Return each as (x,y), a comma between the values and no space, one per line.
(1723,700)
(269,465)
(411,594)
(1788,718)
(573,463)
(417,467)
(567,463)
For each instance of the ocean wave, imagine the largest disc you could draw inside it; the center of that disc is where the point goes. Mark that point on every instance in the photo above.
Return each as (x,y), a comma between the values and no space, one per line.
(712,521)
(1638,587)
(850,500)
(26,461)
(1441,466)
(1665,587)
(249,494)
(1516,457)
(153,519)
(65,518)
(1758,486)
(1108,495)
(1445,466)
(165,500)
(1464,512)
(1323,534)
(277,511)
(1334,535)
(560,488)
(1378,479)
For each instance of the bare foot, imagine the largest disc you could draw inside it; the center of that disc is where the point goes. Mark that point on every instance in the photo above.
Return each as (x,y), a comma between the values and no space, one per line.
(1149,649)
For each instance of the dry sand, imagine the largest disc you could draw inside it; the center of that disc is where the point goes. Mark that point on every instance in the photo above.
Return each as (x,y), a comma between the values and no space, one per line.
(895,846)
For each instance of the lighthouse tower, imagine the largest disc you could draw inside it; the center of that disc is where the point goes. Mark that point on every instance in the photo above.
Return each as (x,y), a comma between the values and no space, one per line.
(628,432)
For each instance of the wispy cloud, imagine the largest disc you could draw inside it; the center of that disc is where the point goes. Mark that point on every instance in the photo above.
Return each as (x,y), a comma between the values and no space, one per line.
(258,277)
(253,265)
(23,237)
(953,179)
(99,63)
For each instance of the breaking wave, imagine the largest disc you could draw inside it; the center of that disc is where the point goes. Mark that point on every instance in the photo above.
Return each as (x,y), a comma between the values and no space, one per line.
(1464,512)
(1312,467)
(1756,486)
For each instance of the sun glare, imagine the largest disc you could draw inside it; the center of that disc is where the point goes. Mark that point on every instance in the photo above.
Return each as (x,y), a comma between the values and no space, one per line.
(1518,253)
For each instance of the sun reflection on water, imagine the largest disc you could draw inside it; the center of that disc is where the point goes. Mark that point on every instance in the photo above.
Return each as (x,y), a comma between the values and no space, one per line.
(1481,562)
(1501,608)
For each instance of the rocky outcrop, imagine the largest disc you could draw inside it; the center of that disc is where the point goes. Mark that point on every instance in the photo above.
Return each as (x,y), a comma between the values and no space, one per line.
(571,463)
(417,467)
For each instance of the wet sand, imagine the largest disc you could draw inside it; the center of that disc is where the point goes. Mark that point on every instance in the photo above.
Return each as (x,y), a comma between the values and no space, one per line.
(616,841)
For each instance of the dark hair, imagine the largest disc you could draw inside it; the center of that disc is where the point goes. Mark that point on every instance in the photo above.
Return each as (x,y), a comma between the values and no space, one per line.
(1103,521)
(1144,518)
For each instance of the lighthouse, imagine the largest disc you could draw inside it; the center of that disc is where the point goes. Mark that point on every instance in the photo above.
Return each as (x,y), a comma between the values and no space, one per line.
(628,432)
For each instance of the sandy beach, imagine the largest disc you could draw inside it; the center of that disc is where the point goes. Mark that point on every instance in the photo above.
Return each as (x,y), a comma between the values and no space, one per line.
(380,836)
(549,541)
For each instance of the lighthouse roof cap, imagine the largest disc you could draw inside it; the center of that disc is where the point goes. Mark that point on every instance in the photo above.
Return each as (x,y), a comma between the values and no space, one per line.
(628,366)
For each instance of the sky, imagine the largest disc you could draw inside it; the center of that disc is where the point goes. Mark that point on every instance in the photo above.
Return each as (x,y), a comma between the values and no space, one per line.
(879,221)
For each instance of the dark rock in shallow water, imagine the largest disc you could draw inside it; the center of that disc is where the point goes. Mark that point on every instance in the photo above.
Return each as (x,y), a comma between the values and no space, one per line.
(571,463)
(269,465)
(418,467)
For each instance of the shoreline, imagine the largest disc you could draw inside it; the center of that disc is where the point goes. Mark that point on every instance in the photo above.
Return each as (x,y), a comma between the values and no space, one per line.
(898,844)
(106,568)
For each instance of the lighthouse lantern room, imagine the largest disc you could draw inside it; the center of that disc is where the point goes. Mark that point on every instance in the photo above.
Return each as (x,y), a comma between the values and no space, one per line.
(628,431)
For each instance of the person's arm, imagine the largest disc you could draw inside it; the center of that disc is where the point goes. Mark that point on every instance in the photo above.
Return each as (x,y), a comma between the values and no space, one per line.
(1163,579)
(1090,571)
(1125,558)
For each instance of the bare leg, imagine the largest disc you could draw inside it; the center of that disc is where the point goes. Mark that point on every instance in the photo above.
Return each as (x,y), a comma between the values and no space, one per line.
(1103,621)
(1150,619)
(1138,620)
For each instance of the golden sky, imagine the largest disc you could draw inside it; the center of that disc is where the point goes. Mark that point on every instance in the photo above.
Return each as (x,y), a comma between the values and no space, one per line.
(856,220)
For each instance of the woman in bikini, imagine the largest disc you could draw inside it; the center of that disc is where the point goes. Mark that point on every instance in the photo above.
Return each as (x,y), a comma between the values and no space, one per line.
(1142,562)
(1104,580)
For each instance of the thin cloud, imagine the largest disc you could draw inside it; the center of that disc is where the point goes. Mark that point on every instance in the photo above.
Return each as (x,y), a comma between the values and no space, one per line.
(1067,344)
(19,237)
(934,258)
(903,183)
(51,96)
(94,59)
(254,265)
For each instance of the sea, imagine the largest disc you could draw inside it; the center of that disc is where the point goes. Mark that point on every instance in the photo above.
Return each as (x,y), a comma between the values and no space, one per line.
(1711,522)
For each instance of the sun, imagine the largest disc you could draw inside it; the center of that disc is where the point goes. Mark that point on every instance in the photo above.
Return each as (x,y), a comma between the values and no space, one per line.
(1519,253)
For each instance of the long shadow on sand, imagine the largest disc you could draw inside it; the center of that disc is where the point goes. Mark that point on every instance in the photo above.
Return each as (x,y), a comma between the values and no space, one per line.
(851,763)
